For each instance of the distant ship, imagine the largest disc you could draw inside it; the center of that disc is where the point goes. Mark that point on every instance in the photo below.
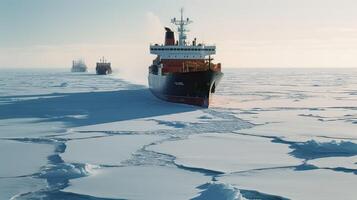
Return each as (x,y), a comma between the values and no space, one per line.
(183,72)
(78,66)
(103,67)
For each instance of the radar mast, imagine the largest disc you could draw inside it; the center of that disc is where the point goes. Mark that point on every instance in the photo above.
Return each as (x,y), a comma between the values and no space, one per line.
(181,28)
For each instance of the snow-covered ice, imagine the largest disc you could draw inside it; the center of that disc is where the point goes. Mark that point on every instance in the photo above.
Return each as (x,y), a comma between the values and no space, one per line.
(318,184)
(269,134)
(25,159)
(125,126)
(34,127)
(140,182)
(13,188)
(290,124)
(347,163)
(228,153)
(110,150)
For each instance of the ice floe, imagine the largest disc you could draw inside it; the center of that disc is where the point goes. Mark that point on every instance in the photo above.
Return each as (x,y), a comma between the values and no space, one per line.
(30,127)
(291,125)
(227,152)
(140,182)
(20,158)
(111,150)
(13,188)
(318,184)
(336,163)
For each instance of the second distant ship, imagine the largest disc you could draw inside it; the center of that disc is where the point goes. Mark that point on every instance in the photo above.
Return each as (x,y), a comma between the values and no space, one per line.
(103,67)
(78,66)
(183,72)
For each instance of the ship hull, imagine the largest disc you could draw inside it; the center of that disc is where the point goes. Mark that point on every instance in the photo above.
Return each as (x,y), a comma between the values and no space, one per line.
(194,88)
(79,70)
(103,70)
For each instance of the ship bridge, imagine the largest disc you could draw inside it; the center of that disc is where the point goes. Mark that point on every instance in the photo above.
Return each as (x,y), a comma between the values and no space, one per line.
(181,49)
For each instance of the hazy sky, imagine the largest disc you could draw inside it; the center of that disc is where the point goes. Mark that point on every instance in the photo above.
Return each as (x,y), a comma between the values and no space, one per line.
(248,33)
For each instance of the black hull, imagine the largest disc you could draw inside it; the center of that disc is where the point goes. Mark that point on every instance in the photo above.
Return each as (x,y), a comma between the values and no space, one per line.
(194,88)
(103,70)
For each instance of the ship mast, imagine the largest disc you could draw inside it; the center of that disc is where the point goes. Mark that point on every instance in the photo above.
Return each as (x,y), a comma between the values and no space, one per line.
(181,28)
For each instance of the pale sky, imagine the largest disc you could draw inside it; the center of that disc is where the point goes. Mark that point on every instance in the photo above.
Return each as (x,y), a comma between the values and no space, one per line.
(248,33)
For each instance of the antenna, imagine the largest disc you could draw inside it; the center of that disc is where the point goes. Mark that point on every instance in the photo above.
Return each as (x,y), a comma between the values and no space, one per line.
(181,28)
(181,10)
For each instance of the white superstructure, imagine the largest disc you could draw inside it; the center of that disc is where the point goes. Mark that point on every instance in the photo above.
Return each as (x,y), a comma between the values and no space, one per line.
(182,52)
(182,49)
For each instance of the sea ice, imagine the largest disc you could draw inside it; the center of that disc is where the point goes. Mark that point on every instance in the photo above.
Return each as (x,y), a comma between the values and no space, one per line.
(109,122)
(291,125)
(110,150)
(140,182)
(30,127)
(143,124)
(318,184)
(10,188)
(20,158)
(227,152)
(336,162)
